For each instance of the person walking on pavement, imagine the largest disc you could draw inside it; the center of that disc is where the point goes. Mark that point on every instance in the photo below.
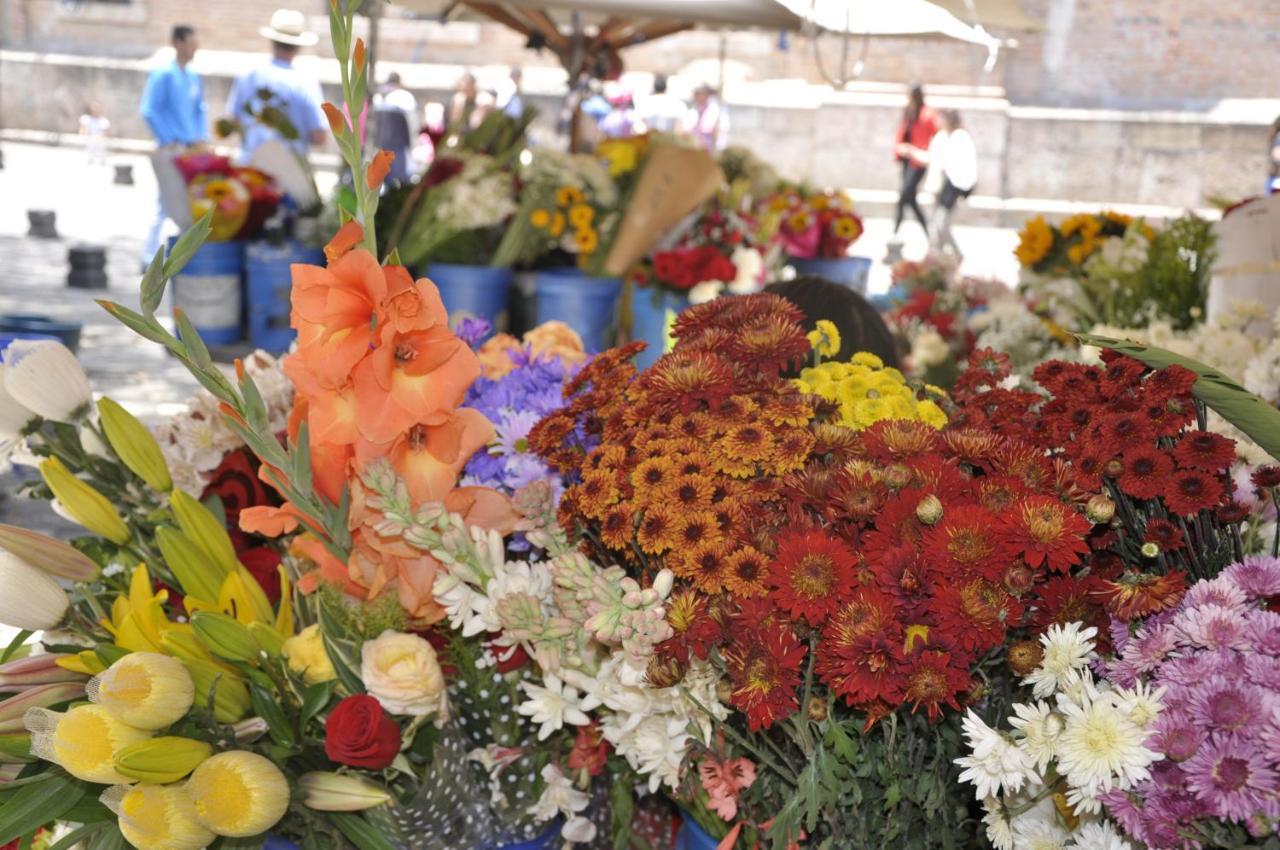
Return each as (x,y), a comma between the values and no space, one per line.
(173,107)
(511,98)
(660,111)
(952,159)
(279,89)
(709,120)
(915,132)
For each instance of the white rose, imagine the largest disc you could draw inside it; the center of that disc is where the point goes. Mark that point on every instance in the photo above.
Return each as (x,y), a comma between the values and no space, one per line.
(708,290)
(401,671)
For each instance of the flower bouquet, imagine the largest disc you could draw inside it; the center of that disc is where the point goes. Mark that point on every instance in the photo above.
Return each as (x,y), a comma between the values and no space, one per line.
(241,198)
(720,250)
(815,224)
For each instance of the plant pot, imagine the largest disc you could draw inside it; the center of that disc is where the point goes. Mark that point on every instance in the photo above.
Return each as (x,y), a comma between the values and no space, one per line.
(479,291)
(846,271)
(586,304)
(690,836)
(34,325)
(268,282)
(653,312)
(208,290)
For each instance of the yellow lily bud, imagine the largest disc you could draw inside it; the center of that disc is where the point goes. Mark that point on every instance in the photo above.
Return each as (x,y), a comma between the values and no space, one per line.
(83,741)
(162,760)
(133,444)
(238,794)
(243,598)
(157,817)
(144,689)
(85,661)
(200,577)
(307,657)
(83,503)
(31,599)
(224,637)
(204,530)
(48,555)
(340,792)
(269,639)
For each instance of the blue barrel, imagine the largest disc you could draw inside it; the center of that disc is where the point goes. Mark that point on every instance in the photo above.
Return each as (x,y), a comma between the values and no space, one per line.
(7,337)
(479,291)
(846,271)
(693,837)
(586,304)
(268,282)
(68,333)
(208,290)
(652,313)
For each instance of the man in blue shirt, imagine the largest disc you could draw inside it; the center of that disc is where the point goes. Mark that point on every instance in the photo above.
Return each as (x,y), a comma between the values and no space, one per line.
(291,94)
(173,106)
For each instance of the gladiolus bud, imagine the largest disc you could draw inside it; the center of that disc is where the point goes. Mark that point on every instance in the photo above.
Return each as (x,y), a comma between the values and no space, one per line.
(42,669)
(31,599)
(52,556)
(157,817)
(358,55)
(379,168)
(224,637)
(44,377)
(336,122)
(83,741)
(14,418)
(83,503)
(340,792)
(162,760)
(13,709)
(204,530)
(929,509)
(15,748)
(238,794)
(144,689)
(133,444)
(1100,509)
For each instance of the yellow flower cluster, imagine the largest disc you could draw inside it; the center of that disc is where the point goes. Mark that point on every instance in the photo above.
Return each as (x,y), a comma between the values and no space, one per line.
(1034,242)
(572,208)
(622,156)
(867,392)
(1089,229)
(825,338)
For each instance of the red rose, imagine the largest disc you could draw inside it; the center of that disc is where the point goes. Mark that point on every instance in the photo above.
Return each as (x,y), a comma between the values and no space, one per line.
(359,733)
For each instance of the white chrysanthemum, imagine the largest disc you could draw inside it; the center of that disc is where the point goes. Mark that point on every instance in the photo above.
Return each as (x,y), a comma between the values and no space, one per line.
(1038,727)
(999,830)
(996,763)
(1099,835)
(1038,830)
(1101,747)
(1067,650)
(1141,703)
(552,704)
(928,348)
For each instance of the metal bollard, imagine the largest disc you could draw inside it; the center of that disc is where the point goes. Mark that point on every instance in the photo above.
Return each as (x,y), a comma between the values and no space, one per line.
(88,266)
(124,175)
(42,224)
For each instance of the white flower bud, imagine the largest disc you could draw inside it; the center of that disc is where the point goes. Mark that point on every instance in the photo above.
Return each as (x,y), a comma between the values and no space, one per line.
(31,599)
(45,377)
(662,582)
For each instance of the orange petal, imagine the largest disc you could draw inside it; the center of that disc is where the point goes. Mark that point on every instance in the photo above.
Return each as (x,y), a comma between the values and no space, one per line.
(350,234)
(329,467)
(379,418)
(414,583)
(332,417)
(337,124)
(379,168)
(268,521)
(483,507)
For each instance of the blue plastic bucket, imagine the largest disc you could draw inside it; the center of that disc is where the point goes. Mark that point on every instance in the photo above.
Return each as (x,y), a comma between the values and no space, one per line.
(480,291)
(586,304)
(846,271)
(68,333)
(652,314)
(7,337)
(690,836)
(208,290)
(268,282)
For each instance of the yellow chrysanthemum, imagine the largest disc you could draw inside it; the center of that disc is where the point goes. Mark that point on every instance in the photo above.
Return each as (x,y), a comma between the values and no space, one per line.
(825,338)
(556,227)
(238,794)
(866,394)
(866,358)
(581,215)
(540,218)
(586,240)
(1034,242)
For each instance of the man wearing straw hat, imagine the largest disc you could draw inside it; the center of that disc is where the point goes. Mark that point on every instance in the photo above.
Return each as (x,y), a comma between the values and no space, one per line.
(276,100)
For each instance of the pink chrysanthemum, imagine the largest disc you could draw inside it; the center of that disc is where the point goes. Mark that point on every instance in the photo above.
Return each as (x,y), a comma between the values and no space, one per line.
(1231,778)
(1258,576)
(1212,627)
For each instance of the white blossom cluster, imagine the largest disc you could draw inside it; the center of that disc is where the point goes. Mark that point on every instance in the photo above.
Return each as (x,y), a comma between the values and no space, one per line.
(553,169)
(483,195)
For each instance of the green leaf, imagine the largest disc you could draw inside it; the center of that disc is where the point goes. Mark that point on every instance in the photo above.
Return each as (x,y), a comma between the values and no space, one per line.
(360,832)
(253,842)
(300,475)
(1248,412)
(145,327)
(342,653)
(315,699)
(255,409)
(34,806)
(75,836)
(153,284)
(266,706)
(190,337)
(109,653)
(108,839)
(187,245)
(18,640)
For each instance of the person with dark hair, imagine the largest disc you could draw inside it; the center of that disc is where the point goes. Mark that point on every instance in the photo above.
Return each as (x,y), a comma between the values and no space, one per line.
(915,131)
(173,107)
(861,326)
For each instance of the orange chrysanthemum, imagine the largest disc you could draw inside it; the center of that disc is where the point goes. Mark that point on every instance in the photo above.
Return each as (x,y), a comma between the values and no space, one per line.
(748,568)
(659,530)
(652,478)
(691,492)
(697,528)
(1135,595)
(707,567)
(747,442)
(597,493)
(617,527)
(682,381)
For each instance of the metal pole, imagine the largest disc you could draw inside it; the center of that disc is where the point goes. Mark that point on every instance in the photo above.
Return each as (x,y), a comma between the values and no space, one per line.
(374,12)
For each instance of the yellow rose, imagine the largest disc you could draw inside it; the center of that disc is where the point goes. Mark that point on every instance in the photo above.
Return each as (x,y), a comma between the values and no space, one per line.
(307,657)
(401,671)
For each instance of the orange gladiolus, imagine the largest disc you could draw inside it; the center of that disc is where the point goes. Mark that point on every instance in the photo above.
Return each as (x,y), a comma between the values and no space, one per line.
(348,236)
(429,456)
(379,168)
(337,123)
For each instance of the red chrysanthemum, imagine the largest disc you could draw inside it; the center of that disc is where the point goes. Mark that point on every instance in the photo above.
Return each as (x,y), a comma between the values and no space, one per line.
(684,381)
(1204,450)
(1118,431)
(1045,531)
(1171,381)
(770,345)
(1164,534)
(811,574)
(998,493)
(1192,490)
(1146,472)
(1134,594)
(1065,599)
(896,439)
(976,613)
(860,646)
(931,681)
(895,525)
(765,672)
(967,541)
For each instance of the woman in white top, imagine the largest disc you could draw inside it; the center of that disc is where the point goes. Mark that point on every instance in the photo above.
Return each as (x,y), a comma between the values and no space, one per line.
(953,171)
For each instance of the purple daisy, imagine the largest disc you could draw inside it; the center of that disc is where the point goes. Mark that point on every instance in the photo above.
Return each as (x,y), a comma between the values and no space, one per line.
(1192,669)
(1176,735)
(1258,576)
(1212,627)
(1229,705)
(1232,778)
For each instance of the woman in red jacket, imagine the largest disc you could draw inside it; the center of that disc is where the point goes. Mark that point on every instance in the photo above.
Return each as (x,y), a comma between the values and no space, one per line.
(914,134)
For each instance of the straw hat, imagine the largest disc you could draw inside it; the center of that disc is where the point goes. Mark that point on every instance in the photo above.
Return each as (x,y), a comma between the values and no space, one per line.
(289,26)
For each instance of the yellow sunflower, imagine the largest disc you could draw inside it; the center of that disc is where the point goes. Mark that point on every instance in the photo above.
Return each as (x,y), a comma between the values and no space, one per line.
(581,215)
(557,225)
(540,218)
(1034,242)
(586,240)
(567,196)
